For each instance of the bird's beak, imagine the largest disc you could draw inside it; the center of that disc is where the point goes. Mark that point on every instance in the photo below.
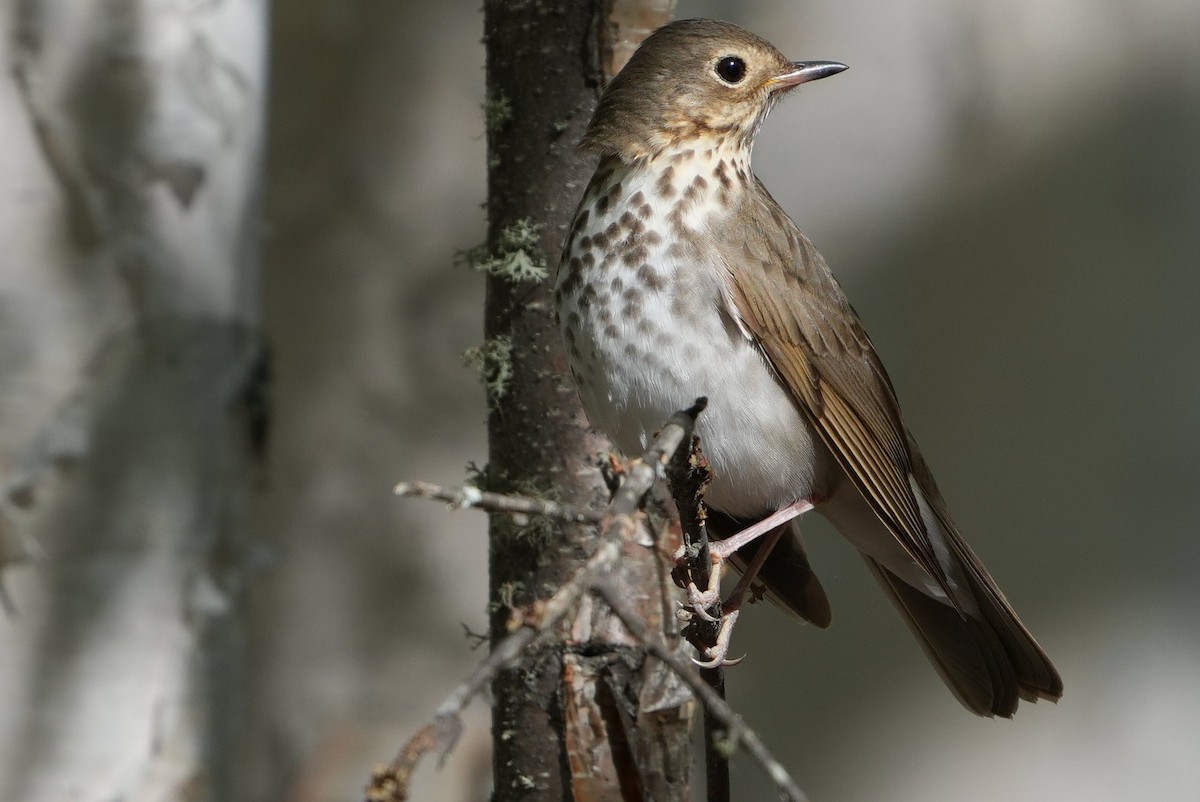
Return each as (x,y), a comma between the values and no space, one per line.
(804,71)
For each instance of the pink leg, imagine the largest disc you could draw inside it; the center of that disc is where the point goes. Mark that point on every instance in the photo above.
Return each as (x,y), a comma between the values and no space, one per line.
(731,544)
(717,654)
(721,549)
(699,600)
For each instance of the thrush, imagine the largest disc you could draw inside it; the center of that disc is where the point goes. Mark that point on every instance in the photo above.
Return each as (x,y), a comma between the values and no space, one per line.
(682,277)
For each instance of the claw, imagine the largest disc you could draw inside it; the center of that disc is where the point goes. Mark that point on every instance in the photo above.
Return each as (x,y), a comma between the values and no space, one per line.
(718,652)
(700,606)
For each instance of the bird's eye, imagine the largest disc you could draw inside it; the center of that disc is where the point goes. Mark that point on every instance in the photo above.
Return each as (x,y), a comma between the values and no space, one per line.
(731,69)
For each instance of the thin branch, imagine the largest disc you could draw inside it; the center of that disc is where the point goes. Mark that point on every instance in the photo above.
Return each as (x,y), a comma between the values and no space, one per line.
(736,732)
(466,496)
(621,522)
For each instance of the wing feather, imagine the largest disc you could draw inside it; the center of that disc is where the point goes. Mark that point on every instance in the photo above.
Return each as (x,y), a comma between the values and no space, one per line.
(820,351)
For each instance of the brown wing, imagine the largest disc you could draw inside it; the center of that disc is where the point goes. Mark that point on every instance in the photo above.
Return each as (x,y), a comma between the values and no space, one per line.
(789,301)
(786,298)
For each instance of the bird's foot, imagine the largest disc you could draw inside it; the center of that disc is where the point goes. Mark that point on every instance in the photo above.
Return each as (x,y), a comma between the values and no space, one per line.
(717,654)
(700,600)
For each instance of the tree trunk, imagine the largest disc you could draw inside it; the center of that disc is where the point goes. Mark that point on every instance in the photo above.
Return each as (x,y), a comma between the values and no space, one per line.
(583,716)
(131,405)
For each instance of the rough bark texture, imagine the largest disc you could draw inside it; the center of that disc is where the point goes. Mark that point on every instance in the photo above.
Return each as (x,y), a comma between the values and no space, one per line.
(130,392)
(585,716)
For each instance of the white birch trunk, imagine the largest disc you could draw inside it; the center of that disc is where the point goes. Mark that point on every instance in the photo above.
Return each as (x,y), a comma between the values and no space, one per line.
(131,136)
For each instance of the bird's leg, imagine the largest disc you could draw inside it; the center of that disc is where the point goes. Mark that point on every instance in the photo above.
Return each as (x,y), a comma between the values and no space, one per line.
(731,544)
(719,551)
(730,609)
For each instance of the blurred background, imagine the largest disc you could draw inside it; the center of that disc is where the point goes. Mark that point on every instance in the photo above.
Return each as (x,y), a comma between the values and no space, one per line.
(1009,192)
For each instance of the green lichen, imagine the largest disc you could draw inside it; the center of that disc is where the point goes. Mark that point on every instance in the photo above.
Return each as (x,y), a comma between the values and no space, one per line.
(496,112)
(506,596)
(516,257)
(493,360)
(723,745)
(521,234)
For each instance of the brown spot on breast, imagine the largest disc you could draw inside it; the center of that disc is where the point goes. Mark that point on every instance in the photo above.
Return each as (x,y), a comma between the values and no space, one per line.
(632,308)
(585,244)
(611,331)
(588,260)
(664,186)
(602,204)
(613,231)
(638,199)
(633,256)
(631,349)
(614,192)
(572,322)
(679,307)
(627,220)
(650,278)
(721,172)
(599,240)
(645,327)
(616,285)
(645,211)
(652,238)
(604,316)
(571,282)
(587,296)
(579,222)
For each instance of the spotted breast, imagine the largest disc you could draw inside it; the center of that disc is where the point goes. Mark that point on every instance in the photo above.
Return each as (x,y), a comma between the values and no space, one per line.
(644,308)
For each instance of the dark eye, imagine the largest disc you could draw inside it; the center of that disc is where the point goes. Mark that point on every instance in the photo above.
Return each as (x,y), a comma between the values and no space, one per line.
(731,69)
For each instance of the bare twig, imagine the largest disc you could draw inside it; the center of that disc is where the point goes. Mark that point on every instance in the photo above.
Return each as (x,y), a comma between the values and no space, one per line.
(620,523)
(471,496)
(736,732)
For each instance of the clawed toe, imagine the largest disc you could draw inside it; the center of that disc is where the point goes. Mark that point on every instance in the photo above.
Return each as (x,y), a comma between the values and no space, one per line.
(717,654)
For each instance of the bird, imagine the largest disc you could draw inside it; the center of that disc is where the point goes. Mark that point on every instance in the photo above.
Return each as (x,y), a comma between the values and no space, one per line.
(682,277)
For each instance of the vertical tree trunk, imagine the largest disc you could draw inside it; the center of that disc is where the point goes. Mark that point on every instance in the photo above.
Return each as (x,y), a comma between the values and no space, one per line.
(130,405)
(579,718)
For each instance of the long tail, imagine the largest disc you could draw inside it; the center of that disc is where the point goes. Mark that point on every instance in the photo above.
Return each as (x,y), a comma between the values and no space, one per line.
(989,663)
(977,643)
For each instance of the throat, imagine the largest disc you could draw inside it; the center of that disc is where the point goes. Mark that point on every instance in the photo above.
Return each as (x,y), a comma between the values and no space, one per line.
(683,186)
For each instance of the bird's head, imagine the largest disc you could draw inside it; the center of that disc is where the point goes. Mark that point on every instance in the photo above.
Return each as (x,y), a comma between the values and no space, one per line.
(695,83)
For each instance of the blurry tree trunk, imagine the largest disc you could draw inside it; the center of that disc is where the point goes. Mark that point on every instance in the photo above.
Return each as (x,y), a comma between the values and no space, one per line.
(583,716)
(131,405)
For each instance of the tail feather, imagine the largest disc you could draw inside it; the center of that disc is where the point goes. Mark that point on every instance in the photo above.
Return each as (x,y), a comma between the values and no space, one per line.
(966,652)
(975,640)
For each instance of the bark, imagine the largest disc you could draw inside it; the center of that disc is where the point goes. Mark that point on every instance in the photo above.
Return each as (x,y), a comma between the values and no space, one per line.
(131,395)
(586,715)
